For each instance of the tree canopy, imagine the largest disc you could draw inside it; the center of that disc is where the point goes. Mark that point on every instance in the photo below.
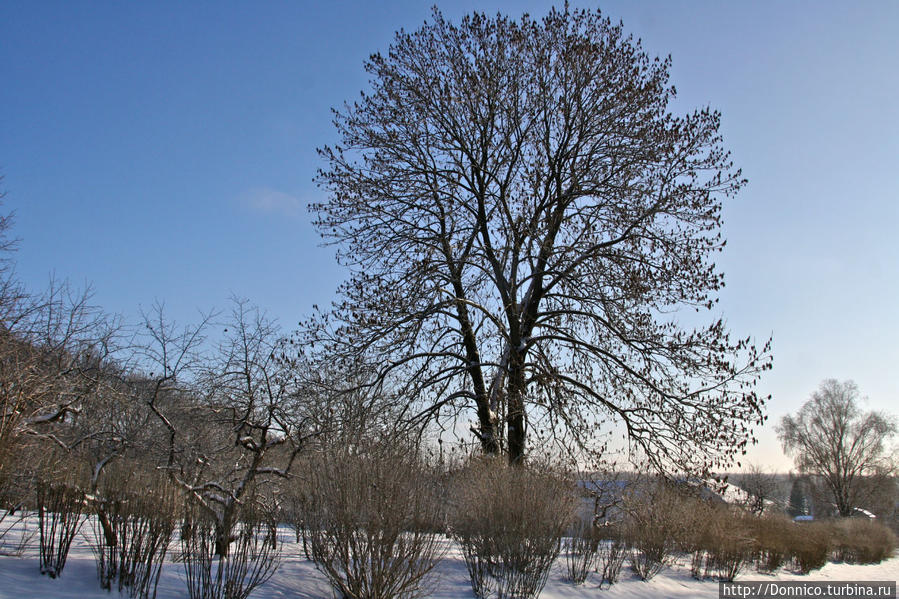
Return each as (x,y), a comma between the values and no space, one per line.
(523,217)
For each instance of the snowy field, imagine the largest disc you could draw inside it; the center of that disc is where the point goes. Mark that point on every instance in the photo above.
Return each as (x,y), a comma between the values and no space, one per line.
(298,578)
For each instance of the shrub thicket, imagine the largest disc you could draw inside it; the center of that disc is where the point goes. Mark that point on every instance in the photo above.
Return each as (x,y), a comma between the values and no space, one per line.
(665,519)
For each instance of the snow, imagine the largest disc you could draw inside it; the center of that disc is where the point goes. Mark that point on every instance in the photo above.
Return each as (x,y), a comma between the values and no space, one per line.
(298,578)
(735,495)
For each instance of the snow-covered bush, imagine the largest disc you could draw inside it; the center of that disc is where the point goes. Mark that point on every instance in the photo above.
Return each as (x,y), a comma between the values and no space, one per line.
(509,522)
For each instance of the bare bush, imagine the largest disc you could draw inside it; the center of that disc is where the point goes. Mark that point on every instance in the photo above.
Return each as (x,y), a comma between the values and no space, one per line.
(509,522)
(369,521)
(252,557)
(612,550)
(809,546)
(771,535)
(696,538)
(131,537)
(806,546)
(659,519)
(59,509)
(727,543)
(862,541)
(580,551)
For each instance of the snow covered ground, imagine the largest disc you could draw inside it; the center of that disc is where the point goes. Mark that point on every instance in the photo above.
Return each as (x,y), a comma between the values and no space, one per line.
(297,578)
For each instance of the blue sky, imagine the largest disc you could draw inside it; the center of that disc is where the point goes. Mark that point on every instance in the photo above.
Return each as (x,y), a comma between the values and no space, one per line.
(166,151)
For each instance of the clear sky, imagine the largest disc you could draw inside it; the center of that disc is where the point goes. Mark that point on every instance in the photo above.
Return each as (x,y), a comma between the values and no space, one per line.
(166,151)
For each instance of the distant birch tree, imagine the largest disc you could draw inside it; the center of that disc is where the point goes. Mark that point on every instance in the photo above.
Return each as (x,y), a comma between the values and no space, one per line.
(522,214)
(831,438)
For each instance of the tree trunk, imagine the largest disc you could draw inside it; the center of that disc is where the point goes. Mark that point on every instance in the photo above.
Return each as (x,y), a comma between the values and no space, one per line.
(515,406)
(487,432)
(108,532)
(221,541)
(487,424)
(223,534)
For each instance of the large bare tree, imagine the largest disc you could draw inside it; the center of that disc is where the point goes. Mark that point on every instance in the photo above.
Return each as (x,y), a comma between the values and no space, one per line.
(523,215)
(832,438)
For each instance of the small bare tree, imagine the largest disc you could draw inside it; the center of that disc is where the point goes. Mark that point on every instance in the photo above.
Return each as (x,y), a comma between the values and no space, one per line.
(761,488)
(230,419)
(831,437)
